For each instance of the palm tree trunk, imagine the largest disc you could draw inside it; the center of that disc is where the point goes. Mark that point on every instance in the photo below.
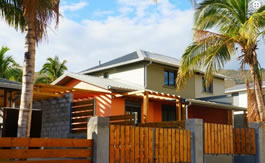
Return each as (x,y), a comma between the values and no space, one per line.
(25,111)
(258,93)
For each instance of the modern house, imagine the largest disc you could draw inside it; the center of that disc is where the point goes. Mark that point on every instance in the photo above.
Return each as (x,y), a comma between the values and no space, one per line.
(144,83)
(239,94)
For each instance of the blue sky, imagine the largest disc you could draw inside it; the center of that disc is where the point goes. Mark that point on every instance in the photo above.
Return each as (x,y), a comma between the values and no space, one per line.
(109,8)
(100,30)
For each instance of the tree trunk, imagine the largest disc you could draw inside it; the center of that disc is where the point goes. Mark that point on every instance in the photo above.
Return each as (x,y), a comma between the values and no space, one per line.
(258,93)
(25,111)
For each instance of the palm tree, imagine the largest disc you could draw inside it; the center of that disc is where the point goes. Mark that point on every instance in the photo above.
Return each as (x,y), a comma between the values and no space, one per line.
(9,69)
(51,70)
(224,28)
(33,17)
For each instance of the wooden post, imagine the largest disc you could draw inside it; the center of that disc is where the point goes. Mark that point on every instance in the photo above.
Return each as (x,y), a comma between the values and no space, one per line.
(179,107)
(146,106)
(245,119)
(5,98)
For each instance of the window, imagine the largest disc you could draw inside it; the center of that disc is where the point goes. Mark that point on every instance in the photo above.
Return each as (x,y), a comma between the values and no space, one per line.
(106,75)
(169,113)
(208,89)
(132,107)
(169,78)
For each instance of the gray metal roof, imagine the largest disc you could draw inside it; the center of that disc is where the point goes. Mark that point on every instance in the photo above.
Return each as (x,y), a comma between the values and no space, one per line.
(101,82)
(136,56)
(215,105)
(4,83)
(139,56)
(241,87)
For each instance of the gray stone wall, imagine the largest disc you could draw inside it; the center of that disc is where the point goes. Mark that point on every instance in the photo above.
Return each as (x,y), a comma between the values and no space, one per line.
(56,116)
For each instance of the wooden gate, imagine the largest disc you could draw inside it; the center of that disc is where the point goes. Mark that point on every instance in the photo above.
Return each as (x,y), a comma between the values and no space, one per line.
(40,150)
(132,144)
(223,139)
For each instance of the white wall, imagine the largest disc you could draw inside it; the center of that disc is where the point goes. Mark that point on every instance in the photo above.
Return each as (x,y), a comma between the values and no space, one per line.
(135,76)
(243,99)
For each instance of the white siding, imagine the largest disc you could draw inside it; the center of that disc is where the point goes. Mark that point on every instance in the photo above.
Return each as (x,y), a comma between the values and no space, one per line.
(135,76)
(243,99)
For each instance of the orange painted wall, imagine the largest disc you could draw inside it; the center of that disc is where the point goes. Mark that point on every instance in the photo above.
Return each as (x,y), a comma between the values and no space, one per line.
(210,115)
(154,112)
(72,83)
(118,106)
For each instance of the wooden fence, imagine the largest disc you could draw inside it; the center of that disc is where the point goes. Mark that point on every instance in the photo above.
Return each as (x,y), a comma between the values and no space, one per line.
(244,141)
(132,144)
(223,139)
(123,119)
(168,124)
(81,111)
(40,150)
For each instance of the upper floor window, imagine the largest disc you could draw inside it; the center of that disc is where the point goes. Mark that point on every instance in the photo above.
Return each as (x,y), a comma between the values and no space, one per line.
(208,89)
(106,75)
(169,78)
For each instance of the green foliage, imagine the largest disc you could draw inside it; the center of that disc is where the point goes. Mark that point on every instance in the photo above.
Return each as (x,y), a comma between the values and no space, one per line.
(9,69)
(51,70)
(19,13)
(222,28)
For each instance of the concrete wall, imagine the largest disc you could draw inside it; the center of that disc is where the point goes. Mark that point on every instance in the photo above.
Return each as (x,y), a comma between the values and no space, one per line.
(133,73)
(218,159)
(56,117)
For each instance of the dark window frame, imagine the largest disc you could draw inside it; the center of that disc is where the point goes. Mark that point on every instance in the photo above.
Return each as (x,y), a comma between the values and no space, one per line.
(207,89)
(167,80)
(106,75)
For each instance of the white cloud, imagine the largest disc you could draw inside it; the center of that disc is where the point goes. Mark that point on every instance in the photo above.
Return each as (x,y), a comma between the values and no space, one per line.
(73,6)
(102,13)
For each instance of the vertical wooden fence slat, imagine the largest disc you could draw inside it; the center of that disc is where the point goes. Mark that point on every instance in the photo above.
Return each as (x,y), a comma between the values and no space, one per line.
(157,145)
(165,145)
(117,146)
(219,138)
(185,143)
(132,141)
(137,145)
(253,141)
(248,145)
(206,151)
(243,141)
(209,138)
(169,145)
(181,146)
(177,145)
(141,144)
(127,143)
(231,140)
(146,145)
(225,140)
(161,145)
(150,150)
(122,144)
(222,139)
(215,139)
(112,128)
(173,152)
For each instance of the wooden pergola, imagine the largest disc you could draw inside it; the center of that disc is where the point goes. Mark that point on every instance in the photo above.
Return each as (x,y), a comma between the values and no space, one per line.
(146,95)
(44,91)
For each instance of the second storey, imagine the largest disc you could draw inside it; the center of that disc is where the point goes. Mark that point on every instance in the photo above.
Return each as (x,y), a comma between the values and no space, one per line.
(156,72)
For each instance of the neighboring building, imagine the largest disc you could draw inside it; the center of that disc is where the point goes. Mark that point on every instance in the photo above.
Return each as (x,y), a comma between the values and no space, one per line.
(155,72)
(239,94)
